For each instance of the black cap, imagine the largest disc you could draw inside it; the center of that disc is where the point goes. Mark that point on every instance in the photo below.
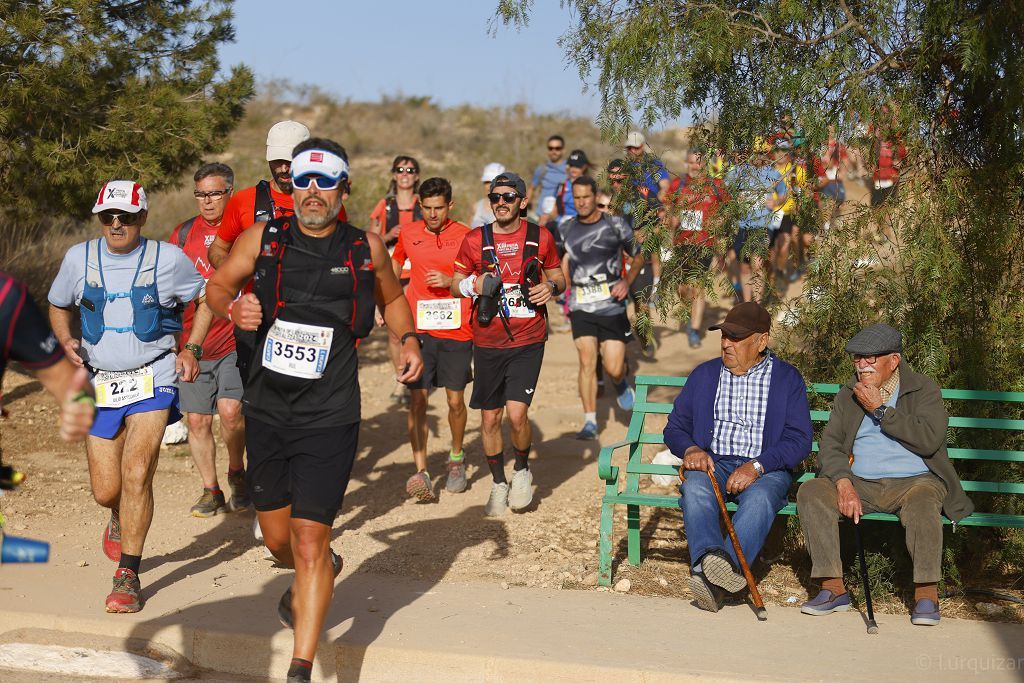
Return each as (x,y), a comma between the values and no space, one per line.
(744,320)
(616,165)
(578,159)
(876,340)
(509,180)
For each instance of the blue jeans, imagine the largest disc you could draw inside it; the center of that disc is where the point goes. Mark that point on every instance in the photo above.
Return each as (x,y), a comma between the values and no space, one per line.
(757,505)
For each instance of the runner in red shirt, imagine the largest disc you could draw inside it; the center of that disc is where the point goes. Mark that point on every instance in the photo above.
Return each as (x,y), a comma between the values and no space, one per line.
(442,322)
(400,205)
(218,387)
(698,200)
(508,351)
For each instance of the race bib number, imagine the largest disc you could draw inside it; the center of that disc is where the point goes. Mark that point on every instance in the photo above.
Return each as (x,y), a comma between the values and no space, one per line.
(438,314)
(518,305)
(593,291)
(777,219)
(691,221)
(116,388)
(297,350)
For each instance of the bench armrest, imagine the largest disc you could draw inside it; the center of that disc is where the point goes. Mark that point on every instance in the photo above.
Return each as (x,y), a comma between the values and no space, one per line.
(604,460)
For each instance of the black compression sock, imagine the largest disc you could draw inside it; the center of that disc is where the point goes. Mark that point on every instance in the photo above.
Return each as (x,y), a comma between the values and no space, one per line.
(132,562)
(522,458)
(300,668)
(496,463)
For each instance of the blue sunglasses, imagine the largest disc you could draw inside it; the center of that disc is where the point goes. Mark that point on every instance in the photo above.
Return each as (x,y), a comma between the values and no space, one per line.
(322,182)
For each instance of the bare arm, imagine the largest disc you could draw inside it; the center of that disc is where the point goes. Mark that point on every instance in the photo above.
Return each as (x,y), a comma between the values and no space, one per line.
(218,252)
(391,299)
(229,279)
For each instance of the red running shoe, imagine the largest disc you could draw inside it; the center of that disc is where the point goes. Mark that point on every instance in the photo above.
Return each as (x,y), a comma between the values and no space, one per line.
(126,596)
(112,538)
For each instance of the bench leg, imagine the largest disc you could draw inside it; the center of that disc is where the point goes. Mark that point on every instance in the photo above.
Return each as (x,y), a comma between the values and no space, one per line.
(633,532)
(604,571)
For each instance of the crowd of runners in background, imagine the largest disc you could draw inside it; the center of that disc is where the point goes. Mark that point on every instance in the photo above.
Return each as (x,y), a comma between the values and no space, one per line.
(272,316)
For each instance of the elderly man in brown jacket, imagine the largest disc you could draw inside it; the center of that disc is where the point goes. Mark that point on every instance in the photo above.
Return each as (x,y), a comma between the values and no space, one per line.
(883,450)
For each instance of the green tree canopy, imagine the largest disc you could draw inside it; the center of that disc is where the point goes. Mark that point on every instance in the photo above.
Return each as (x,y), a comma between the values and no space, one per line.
(98,89)
(946,77)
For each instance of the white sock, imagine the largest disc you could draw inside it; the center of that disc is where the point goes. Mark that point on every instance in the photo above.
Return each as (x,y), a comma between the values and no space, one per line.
(590,417)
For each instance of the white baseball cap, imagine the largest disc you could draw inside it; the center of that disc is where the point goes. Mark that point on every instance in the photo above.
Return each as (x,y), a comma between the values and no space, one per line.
(282,138)
(635,139)
(321,162)
(121,195)
(492,171)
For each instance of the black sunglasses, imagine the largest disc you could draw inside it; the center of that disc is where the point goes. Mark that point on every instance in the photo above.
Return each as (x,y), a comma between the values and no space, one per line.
(555,149)
(509,197)
(125,218)
(602,206)
(406,169)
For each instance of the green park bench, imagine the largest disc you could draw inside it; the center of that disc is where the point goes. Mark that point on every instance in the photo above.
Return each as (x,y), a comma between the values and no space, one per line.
(636,438)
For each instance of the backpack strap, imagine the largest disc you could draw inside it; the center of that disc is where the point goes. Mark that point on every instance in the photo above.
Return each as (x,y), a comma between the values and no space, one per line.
(489,264)
(93,272)
(263,208)
(145,274)
(183,231)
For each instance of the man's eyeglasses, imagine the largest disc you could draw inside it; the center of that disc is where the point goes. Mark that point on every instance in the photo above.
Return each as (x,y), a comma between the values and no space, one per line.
(213,194)
(123,217)
(406,169)
(870,360)
(322,182)
(555,149)
(509,197)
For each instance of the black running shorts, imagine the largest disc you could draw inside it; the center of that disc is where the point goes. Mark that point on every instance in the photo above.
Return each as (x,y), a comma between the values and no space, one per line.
(604,327)
(447,363)
(505,374)
(308,469)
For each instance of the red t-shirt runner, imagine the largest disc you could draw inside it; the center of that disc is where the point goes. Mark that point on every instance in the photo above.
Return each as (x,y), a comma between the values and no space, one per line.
(220,340)
(528,326)
(698,201)
(240,213)
(441,315)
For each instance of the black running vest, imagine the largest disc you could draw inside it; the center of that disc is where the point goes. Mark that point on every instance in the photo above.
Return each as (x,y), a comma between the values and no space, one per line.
(326,282)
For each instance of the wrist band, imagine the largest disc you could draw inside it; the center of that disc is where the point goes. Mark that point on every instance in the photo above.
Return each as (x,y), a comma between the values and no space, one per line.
(410,334)
(468,286)
(84,397)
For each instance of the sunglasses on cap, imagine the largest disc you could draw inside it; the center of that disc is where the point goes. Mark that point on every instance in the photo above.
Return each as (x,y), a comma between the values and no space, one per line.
(322,182)
(411,170)
(123,217)
(509,197)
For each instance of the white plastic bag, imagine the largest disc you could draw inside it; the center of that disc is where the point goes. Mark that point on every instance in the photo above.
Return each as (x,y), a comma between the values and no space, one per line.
(665,457)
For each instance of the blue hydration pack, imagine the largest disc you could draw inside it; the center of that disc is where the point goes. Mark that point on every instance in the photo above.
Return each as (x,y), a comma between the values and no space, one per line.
(150,320)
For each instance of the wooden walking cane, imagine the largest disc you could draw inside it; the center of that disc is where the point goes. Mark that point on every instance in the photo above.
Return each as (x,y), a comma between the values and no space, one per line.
(755,596)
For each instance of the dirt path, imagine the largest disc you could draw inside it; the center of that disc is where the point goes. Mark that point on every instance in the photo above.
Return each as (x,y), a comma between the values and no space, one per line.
(553,545)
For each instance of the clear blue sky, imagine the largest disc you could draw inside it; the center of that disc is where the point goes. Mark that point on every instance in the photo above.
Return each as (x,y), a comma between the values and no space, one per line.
(440,48)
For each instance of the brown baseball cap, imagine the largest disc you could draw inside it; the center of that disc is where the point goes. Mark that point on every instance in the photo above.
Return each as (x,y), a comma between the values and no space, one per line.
(744,320)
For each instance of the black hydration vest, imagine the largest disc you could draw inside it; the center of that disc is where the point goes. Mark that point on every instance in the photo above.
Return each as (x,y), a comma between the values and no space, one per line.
(391,216)
(263,208)
(325,282)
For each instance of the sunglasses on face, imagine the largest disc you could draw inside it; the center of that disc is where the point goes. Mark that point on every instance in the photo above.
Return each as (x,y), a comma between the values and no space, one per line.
(508,197)
(555,149)
(322,182)
(213,194)
(602,206)
(406,169)
(124,218)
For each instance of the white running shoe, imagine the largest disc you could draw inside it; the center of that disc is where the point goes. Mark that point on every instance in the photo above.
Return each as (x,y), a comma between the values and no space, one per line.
(520,493)
(497,504)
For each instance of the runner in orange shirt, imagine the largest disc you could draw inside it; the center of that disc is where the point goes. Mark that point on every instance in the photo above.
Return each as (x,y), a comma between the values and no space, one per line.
(442,322)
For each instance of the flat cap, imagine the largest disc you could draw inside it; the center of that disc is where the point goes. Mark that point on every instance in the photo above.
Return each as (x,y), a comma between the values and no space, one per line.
(744,320)
(876,340)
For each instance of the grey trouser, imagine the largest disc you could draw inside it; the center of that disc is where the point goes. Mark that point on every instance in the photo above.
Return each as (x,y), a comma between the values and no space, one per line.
(916,500)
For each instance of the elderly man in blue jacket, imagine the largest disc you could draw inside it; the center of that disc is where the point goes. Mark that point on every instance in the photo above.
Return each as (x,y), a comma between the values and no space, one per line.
(743,419)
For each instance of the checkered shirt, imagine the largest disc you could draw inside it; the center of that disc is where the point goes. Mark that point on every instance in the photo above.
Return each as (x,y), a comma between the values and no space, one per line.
(740,406)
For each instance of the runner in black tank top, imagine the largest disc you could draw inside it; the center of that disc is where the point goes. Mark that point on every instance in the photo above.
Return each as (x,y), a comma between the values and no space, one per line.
(317,282)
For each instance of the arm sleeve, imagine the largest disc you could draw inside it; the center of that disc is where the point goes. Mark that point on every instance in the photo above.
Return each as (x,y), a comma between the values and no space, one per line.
(63,291)
(924,430)
(466,260)
(679,430)
(795,443)
(833,460)
(399,255)
(31,342)
(185,281)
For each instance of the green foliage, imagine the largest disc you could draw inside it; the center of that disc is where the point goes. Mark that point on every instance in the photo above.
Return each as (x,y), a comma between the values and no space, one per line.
(97,89)
(943,260)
